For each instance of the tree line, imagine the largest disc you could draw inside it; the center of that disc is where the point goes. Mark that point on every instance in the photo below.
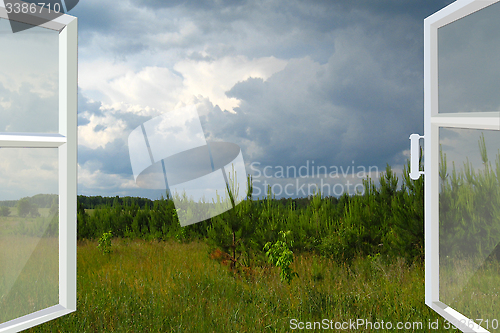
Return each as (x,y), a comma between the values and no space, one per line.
(384,220)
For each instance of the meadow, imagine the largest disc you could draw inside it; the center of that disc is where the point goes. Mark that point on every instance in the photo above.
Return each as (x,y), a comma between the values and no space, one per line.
(171,286)
(29,249)
(357,258)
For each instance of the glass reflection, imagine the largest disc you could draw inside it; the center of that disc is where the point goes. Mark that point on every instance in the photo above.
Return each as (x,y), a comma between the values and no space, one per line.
(29,80)
(468,63)
(469,222)
(29,226)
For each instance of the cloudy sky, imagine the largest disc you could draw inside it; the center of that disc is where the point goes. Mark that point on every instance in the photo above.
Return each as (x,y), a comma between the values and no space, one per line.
(335,84)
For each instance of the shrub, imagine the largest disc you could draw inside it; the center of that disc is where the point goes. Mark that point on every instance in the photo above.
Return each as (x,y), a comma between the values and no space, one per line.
(4,211)
(105,242)
(280,255)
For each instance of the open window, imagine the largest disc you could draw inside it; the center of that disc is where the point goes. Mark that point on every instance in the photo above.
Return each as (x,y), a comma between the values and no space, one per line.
(38,170)
(462,164)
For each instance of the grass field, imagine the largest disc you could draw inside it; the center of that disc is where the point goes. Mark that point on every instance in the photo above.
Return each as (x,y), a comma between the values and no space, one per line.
(472,289)
(10,224)
(30,280)
(29,274)
(173,287)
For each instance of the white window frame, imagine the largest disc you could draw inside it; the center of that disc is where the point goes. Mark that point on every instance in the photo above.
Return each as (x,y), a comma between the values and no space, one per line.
(66,143)
(432,122)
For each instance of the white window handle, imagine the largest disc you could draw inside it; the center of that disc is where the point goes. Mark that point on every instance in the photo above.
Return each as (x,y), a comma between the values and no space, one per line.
(414,156)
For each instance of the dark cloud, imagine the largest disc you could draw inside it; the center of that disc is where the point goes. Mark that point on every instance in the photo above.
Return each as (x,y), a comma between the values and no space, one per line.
(191,4)
(356,107)
(199,57)
(159,4)
(86,108)
(255,28)
(352,89)
(117,30)
(112,159)
(417,9)
(99,128)
(469,75)
(132,120)
(248,89)
(229,27)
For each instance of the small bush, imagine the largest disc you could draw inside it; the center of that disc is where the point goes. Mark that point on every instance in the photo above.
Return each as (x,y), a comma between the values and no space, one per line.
(4,211)
(105,242)
(280,255)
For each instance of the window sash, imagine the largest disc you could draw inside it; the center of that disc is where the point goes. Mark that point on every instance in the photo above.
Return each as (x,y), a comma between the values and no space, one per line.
(433,121)
(66,142)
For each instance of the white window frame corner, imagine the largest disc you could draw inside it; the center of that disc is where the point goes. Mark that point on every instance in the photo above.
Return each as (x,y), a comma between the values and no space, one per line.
(67,143)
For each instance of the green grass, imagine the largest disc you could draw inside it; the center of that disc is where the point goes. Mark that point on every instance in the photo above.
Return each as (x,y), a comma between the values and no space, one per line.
(171,287)
(90,211)
(13,212)
(471,286)
(10,224)
(31,280)
(29,273)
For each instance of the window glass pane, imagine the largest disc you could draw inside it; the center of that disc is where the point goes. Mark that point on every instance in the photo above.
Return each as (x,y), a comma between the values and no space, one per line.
(468,63)
(469,222)
(29,80)
(29,246)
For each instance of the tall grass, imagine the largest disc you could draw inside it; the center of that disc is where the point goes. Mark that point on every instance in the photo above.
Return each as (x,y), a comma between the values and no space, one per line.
(29,266)
(30,281)
(177,287)
(472,287)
